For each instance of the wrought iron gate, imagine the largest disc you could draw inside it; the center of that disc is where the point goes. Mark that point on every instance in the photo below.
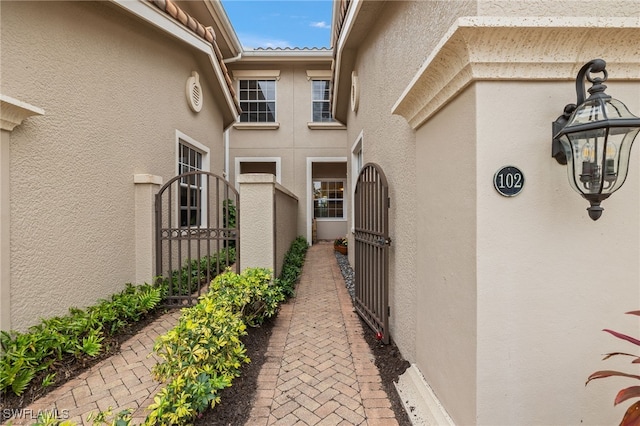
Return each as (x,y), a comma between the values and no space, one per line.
(197,233)
(372,242)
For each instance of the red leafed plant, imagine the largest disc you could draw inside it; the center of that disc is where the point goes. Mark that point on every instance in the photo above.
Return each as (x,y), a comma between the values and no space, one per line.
(632,416)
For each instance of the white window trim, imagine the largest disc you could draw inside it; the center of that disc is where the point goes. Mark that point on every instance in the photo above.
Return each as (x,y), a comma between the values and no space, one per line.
(256,75)
(206,166)
(344,200)
(309,183)
(356,149)
(318,74)
(277,160)
(257,125)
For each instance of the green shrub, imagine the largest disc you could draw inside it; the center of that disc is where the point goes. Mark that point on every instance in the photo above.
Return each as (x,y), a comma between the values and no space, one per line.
(198,272)
(204,353)
(292,266)
(79,335)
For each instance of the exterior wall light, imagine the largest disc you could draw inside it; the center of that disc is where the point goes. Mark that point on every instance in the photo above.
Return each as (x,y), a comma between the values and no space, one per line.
(594,139)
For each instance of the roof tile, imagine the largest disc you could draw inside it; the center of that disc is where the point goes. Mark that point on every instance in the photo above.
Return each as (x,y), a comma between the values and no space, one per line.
(207,33)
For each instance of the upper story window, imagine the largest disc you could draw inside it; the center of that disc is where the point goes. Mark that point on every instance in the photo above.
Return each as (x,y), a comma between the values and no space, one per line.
(258,101)
(320,101)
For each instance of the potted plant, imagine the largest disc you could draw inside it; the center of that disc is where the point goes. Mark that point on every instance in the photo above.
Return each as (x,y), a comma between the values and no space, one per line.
(340,245)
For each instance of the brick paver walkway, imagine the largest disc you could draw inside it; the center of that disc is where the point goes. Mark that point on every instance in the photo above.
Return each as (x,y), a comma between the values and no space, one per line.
(319,369)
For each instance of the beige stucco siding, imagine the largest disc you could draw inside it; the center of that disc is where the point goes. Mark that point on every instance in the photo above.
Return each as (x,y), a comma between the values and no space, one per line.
(385,65)
(293,141)
(549,278)
(114,93)
(630,8)
(446,293)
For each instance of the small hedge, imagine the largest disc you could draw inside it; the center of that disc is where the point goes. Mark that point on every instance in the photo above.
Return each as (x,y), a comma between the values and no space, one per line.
(79,335)
(204,353)
(197,270)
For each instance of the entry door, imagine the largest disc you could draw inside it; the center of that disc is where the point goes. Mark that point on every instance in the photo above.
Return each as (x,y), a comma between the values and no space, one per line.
(372,242)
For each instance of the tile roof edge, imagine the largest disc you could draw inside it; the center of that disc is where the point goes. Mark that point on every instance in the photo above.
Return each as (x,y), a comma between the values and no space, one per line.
(206,33)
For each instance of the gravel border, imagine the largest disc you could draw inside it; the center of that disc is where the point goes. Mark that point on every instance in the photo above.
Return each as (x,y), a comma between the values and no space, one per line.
(347,273)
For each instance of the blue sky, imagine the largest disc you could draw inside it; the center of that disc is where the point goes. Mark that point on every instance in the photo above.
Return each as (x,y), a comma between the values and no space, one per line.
(281,23)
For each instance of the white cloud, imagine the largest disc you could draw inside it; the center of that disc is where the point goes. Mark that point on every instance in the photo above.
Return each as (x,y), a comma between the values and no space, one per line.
(251,41)
(320,24)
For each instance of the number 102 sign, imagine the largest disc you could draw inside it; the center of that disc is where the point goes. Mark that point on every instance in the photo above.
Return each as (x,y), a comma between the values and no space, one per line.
(508,181)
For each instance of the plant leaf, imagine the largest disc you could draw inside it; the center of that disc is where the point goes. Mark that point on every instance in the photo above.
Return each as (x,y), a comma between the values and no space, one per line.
(608,373)
(632,416)
(624,394)
(633,313)
(609,355)
(623,336)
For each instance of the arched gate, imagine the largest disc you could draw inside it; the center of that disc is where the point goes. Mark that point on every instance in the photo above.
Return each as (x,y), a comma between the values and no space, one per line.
(371,204)
(197,233)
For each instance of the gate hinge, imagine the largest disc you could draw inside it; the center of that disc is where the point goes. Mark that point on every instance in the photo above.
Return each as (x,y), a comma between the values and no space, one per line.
(388,311)
(388,202)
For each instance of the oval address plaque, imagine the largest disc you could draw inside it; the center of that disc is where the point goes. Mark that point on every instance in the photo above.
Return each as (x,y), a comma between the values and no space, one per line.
(508,181)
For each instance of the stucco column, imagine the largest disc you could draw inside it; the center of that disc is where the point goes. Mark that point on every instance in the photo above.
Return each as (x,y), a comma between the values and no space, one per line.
(256,220)
(146,188)
(5,223)
(12,113)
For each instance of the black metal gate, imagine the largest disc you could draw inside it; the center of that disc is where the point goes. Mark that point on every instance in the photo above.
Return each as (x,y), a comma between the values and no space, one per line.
(197,233)
(372,242)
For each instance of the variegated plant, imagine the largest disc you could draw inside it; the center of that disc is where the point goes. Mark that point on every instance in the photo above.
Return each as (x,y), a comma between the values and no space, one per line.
(632,415)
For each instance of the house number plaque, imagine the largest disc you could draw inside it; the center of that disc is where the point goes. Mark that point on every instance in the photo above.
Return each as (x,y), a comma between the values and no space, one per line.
(508,181)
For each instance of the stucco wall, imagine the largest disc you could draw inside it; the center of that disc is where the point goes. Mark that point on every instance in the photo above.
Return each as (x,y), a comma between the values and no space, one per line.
(385,63)
(286,214)
(503,270)
(629,8)
(446,294)
(114,94)
(549,278)
(293,141)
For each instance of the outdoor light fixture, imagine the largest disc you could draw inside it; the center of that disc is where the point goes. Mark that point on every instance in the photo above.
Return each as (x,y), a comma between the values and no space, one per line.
(594,139)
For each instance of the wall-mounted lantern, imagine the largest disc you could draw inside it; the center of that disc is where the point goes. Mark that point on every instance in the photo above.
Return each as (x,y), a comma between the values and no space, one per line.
(594,139)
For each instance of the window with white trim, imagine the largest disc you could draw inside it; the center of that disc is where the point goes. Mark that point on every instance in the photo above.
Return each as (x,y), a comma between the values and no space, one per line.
(321,109)
(258,101)
(191,190)
(328,199)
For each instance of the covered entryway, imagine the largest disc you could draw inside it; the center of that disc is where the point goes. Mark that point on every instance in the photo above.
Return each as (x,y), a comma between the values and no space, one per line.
(371,204)
(197,233)
(327,180)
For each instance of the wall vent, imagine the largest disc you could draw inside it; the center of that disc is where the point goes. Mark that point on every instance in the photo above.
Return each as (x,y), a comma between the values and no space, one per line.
(194,92)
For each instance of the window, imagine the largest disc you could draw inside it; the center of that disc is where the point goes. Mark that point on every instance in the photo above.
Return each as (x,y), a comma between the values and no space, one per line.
(258,101)
(191,191)
(328,199)
(320,101)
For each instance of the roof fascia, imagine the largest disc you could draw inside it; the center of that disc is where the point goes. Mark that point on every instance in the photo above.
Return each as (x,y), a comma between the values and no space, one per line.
(224,25)
(155,17)
(286,55)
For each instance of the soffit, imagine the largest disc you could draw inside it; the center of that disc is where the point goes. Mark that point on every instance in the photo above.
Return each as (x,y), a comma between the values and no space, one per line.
(490,48)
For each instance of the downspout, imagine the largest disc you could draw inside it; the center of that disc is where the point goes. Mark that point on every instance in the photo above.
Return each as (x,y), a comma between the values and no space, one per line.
(225,173)
(234,59)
